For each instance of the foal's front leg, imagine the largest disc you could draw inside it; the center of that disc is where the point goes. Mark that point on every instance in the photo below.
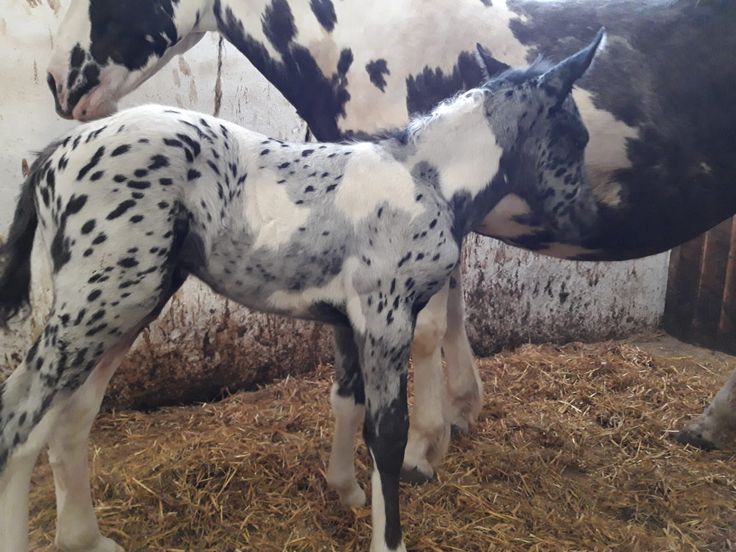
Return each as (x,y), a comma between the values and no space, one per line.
(384,353)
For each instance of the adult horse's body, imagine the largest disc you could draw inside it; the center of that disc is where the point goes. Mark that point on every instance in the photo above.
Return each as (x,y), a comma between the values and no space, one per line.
(657,103)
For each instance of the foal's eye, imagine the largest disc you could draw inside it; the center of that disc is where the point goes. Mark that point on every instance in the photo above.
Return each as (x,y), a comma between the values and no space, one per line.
(582,138)
(575,135)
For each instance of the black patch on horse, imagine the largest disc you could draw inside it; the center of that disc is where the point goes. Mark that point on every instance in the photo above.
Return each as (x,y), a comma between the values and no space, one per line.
(119,31)
(324,11)
(318,98)
(376,69)
(278,24)
(90,79)
(425,90)
(61,244)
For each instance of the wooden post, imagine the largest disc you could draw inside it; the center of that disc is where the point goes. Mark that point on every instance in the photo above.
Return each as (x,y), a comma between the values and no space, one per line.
(709,301)
(726,339)
(682,287)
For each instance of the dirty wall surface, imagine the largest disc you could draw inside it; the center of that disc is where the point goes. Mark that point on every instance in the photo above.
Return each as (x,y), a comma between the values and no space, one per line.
(204,346)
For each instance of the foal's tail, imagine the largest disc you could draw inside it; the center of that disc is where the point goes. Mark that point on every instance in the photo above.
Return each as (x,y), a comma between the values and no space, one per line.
(15,253)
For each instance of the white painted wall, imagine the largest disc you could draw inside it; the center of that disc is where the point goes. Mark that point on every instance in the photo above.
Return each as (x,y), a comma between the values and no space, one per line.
(513,295)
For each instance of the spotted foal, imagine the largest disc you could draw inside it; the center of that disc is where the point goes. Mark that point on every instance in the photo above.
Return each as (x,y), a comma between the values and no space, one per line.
(358,235)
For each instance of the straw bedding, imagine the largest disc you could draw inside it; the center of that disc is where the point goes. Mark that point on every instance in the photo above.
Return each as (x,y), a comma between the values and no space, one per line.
(571,452)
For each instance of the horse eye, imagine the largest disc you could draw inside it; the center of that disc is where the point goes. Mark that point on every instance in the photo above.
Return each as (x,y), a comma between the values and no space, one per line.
(575,135)
(583,138)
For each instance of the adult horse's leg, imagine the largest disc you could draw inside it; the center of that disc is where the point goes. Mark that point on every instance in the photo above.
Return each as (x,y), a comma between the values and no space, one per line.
(429,428)
(464,386)
(348,406)
(76,522)
(715,427)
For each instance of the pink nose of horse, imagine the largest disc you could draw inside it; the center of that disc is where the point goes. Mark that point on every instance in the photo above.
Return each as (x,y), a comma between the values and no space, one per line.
(57,91)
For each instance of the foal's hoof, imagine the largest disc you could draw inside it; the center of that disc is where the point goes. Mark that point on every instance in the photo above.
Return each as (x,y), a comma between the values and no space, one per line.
(687,437)
(415,476)
(377,545)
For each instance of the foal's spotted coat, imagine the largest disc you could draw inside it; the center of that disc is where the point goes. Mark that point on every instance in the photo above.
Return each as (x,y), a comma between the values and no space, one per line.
(360,235)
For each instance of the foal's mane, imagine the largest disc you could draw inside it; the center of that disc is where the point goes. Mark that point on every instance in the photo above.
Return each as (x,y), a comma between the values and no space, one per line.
(469,98)
(518,75)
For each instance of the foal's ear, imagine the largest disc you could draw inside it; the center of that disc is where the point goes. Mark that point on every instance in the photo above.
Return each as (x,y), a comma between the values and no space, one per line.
(488,64)
(559,80)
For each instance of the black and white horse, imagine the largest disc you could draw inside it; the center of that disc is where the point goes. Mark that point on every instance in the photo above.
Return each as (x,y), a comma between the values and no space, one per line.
(359,235)
(657,103)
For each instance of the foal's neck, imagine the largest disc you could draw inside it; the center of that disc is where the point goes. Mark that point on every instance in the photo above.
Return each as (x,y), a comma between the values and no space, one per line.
(458,149)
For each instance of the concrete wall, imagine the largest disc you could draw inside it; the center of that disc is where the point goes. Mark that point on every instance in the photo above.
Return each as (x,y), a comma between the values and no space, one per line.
(513,296)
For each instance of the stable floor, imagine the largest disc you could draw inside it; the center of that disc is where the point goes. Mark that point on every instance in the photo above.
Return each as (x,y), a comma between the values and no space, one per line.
(571,452)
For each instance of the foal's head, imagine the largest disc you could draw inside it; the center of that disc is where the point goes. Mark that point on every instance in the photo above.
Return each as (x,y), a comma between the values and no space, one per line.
(543,190)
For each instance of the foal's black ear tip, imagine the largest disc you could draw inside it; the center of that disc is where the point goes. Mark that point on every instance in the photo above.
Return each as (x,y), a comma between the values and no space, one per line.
(600,36)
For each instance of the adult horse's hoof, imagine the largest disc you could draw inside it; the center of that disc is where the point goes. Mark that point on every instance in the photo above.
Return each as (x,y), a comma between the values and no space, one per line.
(103,544)
(687,437)
(355,498)
(709,431)
(463,412)
(415,476)
(457,430)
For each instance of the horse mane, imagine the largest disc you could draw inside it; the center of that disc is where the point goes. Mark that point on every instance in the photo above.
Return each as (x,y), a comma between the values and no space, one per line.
(519,75)
(462,100)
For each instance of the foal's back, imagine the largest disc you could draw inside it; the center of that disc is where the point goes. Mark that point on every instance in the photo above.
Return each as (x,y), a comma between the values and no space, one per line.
(278,227)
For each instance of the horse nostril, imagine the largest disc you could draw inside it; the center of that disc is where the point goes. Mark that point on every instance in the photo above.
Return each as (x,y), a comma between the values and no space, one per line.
(52,83)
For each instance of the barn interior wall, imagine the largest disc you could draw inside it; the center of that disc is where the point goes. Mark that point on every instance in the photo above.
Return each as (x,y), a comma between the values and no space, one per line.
(513,296)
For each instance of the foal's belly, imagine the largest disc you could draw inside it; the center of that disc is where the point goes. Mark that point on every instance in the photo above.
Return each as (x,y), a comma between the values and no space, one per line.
(304,278)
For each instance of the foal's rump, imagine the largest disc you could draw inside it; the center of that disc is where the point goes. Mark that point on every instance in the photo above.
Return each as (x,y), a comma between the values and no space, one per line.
(108,204)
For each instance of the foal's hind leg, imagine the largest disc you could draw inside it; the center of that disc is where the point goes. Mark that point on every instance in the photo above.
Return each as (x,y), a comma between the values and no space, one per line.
(47,398)
(15,482)
(464,386)
(34,399)
(76,523)
(348,406)
(100,302)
